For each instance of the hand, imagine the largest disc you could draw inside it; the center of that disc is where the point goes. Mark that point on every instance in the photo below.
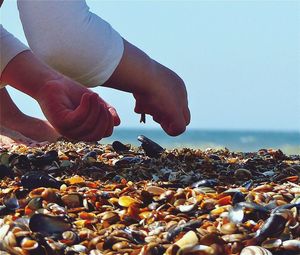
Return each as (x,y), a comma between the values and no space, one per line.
(166,101)
(76,112)
(158,91)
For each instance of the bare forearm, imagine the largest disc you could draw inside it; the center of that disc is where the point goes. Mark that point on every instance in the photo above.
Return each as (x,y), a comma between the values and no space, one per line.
(27,73)
(134,69)
(8,110)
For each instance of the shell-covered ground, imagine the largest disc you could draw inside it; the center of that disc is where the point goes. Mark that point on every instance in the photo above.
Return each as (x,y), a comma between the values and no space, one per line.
(79,198)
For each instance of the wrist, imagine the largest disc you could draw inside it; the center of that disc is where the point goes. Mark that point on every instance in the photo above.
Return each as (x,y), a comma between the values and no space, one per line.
(135,70)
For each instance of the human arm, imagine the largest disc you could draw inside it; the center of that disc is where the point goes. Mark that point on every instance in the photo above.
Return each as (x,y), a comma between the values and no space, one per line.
(90,51)
(73,110)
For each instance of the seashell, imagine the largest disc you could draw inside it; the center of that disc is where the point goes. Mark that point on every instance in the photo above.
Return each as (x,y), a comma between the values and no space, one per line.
(20,162)
(196,250)
(35,179)
(50,195)
(152,249)
(190,238)
(120,245)
(136,235)
(228,228)
(4,230)
(155,190)
(127,161)
(47,224)
(272,227)
(238,197)
(214,157)
(72,200)
(237,214)
(151,148)
(255,250)
(272,243)
(291,245)
(247,184)
(119,147)
(10,201)
(10,240)
(233,238)
(88,217)
(188,208)
(263,188)
(205,183)
(77,248)
(110,217)
(70,236)
(45,159)
(76,179)
(193,224)
(242,174)
(5,171)
(29,244)
(90,156)
(127,201)
(33,205)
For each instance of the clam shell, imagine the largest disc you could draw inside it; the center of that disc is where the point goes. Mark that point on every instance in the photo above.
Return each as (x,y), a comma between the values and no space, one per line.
(255,250)
(190,238)
(196,250)
(127,201)
(291,245)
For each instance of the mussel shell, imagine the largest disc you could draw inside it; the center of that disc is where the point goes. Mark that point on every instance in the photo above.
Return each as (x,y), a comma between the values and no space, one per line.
(91,154)
(119,147)
(11,202)
(205,183)
(20,162)
(272,227)
(36,179)
(47,224)
(5,172)
(151,148)
(238,197)
(45,159)
(128,161)
(193,224)
(248,184)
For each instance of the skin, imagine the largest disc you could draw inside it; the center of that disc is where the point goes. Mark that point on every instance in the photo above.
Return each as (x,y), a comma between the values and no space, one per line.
(13,119)
(74,111)
(78,113)
(158,91)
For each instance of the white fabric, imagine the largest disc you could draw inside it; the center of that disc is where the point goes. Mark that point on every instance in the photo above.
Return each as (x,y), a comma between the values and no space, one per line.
(71,39)
(9,48)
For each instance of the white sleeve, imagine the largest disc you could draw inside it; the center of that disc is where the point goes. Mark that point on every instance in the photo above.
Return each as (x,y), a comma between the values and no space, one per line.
(9,48)
(71,39)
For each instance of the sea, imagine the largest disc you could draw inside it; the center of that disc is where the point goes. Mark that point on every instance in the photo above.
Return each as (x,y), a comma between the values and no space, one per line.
(242,141)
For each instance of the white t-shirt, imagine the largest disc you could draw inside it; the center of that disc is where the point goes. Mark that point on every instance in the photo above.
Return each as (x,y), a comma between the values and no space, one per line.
(71,39)
(9,48)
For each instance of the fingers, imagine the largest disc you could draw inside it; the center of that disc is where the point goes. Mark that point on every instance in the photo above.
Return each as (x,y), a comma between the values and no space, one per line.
(102,123)
(174,127)
(87,125)
(115,116)
(74,118)
(97,120)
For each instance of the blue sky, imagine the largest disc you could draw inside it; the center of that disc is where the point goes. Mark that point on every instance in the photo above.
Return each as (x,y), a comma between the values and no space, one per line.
(240,60)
